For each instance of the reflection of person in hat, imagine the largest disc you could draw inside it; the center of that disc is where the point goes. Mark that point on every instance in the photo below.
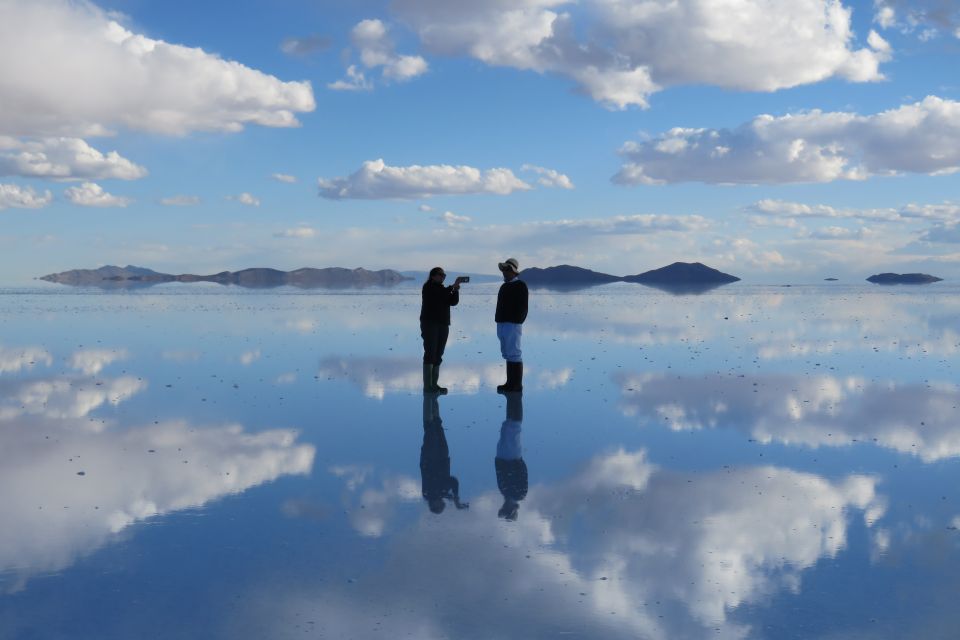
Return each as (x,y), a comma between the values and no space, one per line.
(511,312)
(436,482)
(435,325)
(511,469)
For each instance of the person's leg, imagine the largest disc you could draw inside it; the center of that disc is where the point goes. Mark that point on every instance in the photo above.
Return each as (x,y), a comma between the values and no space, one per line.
(502,337)
(443,332)
(513,355)
(429,334)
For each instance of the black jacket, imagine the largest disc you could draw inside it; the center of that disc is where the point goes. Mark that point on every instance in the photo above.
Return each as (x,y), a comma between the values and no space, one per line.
(512,302)
(437,300)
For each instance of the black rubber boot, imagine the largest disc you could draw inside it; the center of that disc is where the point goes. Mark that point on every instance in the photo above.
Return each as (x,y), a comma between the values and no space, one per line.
(434,380)
(514,378)
(502,388)
(427,378)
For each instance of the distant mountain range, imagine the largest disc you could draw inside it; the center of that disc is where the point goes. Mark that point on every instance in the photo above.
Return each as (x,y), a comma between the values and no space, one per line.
(903,278)
(130,276)
(679,276)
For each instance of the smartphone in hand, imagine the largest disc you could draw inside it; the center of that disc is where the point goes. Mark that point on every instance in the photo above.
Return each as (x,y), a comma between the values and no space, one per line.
(462,279)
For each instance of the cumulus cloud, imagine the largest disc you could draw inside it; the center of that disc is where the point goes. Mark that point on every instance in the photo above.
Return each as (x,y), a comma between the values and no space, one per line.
(815,146)
(451,219)
(377,51)
(305,45)
(283,177)
(63,159)
(245,198)
(653,553)
(297,232)
(376,180)
(15,196)
(379,376)
(356,80)
(927,18)
(948,233)
(811,411)
(249,357)
(549,177)
(90,194)
(70,68)
(180,201)
(129,474)
(92,361)
(630,50)
(13,360)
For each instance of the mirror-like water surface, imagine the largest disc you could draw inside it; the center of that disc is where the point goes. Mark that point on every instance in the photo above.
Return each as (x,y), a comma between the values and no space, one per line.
(752,462)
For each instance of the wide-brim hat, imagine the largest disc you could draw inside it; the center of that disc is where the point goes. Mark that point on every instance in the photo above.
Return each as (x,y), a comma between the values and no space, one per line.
(509,264)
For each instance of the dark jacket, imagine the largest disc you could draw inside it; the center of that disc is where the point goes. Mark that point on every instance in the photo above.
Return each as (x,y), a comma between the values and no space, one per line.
(512,302)
(511,478)
(437,300)
(435,479)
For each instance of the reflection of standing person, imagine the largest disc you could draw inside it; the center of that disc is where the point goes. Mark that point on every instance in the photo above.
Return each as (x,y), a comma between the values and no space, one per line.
(435,480)
(436,301)
(511,312)
(511,469)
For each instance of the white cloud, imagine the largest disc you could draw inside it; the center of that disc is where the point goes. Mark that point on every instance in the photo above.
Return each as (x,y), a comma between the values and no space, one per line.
(377,51)
(249,357)
(927,18)
(837,233)
(377,376)
(180,201)
(129,474)
(297,232)
(90,194)
(942,233)
(245,198)
(631,49)
(63,159)
(549,177)
(283,177)
(355,81)
(668,555)
(92,361)
(814,146)
(812,411)
(376,180)
(69,68)
(425,208)
(13,195)
(13,360)
(451,219)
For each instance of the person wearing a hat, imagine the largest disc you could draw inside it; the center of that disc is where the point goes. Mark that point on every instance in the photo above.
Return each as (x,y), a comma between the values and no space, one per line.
(435,325)
(511,312)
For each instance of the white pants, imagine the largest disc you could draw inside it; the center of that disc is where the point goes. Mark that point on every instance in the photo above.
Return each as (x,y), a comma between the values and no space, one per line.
(509,334)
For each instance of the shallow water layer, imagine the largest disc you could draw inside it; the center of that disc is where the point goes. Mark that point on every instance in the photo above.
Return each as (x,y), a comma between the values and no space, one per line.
(751,462)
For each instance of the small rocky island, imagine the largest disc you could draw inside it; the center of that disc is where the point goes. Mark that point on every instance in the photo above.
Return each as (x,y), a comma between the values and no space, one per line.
(678,276)
(130,276)
(903,278)
(565,276)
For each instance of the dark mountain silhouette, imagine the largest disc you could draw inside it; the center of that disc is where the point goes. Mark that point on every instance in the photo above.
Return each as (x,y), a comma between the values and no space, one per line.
(565,276)
(130,276)
(683,273)
(903,278)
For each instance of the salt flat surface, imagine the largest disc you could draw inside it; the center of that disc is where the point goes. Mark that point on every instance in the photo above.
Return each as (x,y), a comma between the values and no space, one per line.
(751,462)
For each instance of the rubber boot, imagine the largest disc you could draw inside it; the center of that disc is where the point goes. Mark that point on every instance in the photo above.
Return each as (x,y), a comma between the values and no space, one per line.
(435,378)
(427,378)
(516,378)
(502,388)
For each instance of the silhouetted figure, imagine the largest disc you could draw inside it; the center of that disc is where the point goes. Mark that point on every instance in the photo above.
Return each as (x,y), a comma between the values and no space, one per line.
(510,314)
(511,469)
(436,482)
(435,304)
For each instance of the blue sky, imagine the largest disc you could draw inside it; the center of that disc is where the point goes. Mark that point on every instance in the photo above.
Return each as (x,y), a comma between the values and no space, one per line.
(782,141)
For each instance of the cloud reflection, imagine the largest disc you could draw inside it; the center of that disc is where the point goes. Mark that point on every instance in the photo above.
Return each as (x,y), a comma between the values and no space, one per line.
(622,549)
(378,376)
(70,482)
(813,411)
